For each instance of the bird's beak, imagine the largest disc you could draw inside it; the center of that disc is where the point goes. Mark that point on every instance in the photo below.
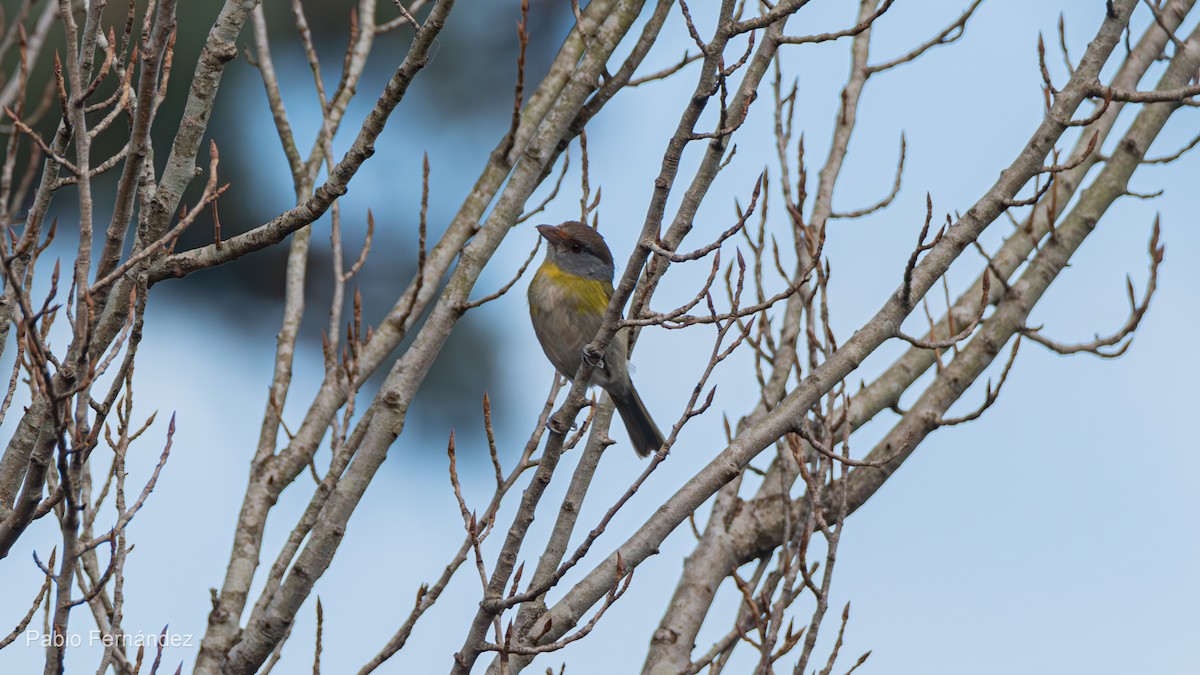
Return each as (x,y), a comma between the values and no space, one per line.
(552,233)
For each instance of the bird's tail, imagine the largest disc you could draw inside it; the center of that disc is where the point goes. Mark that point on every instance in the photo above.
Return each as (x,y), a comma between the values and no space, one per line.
(643,432)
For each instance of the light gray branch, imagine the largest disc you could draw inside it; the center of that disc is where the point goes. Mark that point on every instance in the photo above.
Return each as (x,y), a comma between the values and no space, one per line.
(728,465)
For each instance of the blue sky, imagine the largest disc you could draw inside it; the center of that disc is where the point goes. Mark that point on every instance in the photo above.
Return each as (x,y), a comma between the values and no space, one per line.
(1058,534)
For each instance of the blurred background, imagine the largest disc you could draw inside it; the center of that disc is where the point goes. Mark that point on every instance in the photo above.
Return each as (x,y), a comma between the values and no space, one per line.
(1076,553)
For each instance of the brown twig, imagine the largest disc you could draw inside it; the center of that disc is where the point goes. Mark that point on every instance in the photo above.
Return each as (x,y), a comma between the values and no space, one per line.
(953,340)
(1137,310)
(948,35)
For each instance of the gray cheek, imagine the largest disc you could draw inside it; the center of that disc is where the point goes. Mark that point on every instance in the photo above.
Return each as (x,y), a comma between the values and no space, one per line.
(593,268)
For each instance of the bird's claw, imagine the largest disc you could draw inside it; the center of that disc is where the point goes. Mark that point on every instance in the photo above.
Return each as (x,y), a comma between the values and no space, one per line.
(552,425)
(593,357)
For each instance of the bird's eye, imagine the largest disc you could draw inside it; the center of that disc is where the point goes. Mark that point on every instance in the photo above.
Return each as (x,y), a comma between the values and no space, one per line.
(576,248)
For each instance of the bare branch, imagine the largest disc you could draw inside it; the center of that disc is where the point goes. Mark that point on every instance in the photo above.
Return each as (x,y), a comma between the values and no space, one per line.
(1137,310)
(1176,95)
(886,201)
(961,335)
(846,32)
(506,287)
(992,394)
(948,35)
(1167,159)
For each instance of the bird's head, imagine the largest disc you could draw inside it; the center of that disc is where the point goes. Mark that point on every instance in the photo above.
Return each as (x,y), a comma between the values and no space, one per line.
(578,249)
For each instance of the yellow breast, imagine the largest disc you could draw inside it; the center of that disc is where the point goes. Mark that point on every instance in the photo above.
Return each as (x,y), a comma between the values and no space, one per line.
(552,287)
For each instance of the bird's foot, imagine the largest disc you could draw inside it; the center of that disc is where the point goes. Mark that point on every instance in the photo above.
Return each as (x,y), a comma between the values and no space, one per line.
(553,425)
(593,357)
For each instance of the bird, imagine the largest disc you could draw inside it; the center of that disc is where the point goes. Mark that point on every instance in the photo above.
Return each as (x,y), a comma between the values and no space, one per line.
(568,296)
